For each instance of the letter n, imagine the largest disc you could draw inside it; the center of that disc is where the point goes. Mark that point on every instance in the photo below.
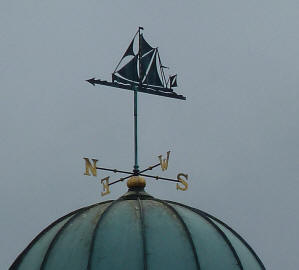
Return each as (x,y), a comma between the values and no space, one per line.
(90,167)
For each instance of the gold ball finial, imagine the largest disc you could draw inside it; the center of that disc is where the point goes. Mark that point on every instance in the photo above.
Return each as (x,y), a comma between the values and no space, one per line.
(136,181)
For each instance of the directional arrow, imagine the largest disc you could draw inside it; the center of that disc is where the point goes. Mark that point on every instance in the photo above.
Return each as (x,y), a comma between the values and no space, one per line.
(93,81)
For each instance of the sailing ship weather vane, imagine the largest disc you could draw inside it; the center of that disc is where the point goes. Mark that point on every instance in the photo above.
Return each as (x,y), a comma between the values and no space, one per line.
(143,73)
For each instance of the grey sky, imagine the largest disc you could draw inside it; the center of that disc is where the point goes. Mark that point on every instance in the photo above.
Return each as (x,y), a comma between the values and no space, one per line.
(237,135)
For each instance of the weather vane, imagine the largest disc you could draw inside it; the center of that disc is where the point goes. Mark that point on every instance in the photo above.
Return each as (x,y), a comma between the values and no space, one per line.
(142,72)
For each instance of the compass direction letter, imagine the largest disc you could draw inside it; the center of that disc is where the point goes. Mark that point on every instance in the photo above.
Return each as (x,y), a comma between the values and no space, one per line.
(90,167)
(105,183)
(182,181)
(164,162)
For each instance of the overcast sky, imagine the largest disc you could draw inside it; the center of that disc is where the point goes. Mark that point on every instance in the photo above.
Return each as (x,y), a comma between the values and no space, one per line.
(237,135)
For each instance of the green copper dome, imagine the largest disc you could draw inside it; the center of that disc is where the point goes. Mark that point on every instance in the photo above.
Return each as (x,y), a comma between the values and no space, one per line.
(140,232)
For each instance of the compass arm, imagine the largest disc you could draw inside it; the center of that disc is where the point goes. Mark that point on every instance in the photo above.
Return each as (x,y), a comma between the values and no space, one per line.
(121,179)
(113,170)
(131,174)
(146,175)
(149,168)
(126,172)
(159,178)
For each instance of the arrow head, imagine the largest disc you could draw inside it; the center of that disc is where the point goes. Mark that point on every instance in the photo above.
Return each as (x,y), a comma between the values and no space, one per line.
(91,81)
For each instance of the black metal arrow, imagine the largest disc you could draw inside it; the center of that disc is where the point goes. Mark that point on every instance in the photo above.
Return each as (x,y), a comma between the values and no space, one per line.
(169,94)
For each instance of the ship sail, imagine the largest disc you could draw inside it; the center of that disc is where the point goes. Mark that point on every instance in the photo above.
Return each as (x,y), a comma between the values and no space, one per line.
(173,81)
(153,77)
(129,71)
(145,68)
(144,46)
(145,63)
(130,50)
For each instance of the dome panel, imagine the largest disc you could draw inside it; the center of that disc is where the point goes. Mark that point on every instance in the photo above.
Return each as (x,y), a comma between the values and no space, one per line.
(248,259)
(212,249)
(118,238)
(33,258)
(138,232)
(167,242)
(73,241)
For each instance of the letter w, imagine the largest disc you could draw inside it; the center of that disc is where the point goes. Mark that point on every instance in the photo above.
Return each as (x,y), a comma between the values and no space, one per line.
(164,162)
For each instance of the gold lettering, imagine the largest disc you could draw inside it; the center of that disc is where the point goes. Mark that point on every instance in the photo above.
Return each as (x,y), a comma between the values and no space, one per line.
(105,183)
(164,162)
(90,168)
(182,181)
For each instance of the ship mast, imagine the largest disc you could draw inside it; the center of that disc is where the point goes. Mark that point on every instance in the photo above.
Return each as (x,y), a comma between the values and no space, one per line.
(136,166)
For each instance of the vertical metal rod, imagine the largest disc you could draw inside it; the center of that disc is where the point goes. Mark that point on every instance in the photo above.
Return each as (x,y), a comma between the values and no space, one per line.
(136,167)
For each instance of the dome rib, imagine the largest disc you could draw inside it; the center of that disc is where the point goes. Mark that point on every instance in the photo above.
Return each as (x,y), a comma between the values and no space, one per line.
(143,233)
(204,216)
(226,240)
(236,234)
(59,233)
(189,236)
(19,259)
(96,228)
